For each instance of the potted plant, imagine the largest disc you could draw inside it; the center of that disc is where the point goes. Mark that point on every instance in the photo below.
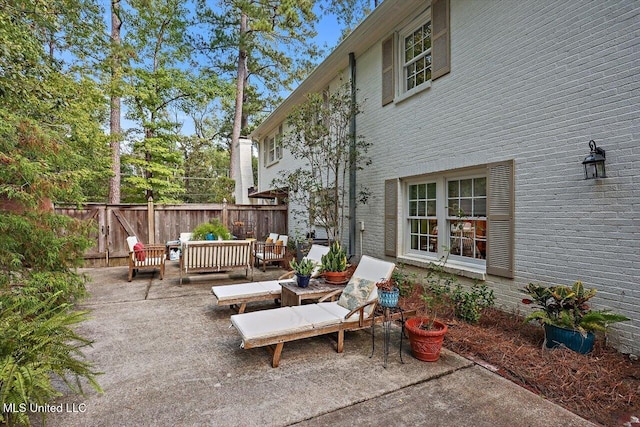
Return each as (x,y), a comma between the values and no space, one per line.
(212,230)
(334,265)
(388,293)
(566,315)
(425,332)
(303,270)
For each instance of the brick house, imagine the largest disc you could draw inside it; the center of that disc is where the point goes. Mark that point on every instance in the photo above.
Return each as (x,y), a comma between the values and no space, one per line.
(480,114)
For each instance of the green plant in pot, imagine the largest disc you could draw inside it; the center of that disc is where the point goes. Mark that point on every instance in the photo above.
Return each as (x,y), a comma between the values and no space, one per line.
(303,270)
(212,230)
(425,332)
(566,315)
(334,265)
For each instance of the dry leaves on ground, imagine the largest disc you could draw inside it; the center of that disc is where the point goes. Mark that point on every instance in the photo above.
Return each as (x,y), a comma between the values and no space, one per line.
(603,386)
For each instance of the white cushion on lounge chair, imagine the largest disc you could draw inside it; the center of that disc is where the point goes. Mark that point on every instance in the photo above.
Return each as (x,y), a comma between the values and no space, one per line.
(317,316)
(246,289)
(269,323)
(337,310)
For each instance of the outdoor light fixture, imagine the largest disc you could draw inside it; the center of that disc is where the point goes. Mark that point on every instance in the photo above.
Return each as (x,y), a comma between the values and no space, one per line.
(594,162)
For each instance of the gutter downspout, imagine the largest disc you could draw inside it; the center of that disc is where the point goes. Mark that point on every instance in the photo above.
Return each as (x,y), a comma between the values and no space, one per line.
(352,164)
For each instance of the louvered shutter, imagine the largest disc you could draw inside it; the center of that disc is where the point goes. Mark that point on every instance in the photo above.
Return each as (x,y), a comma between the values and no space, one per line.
(500,219)
(391,217)
(387,71)
(440,40)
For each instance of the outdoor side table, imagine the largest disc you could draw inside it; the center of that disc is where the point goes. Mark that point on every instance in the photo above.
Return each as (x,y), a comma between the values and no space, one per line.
(387,313)
(292,294)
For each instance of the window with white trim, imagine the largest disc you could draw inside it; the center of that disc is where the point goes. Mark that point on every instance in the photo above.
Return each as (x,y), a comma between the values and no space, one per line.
(447,213)
(415,48)
(474,218)
(467,217)
(417,54)
(273,147)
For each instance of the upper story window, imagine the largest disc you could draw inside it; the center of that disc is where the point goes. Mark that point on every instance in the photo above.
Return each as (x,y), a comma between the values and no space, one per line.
(273,147)
(416,56)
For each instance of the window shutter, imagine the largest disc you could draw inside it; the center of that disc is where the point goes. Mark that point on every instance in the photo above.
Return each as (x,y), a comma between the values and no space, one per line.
(440,40)
(500,219)
(391,217)
(387,71)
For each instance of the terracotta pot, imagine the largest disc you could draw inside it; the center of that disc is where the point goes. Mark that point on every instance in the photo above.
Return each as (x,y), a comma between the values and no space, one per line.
(425,344)
(335,277)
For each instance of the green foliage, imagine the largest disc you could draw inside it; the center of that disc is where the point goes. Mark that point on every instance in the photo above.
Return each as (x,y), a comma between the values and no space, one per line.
(215,227)
(406,281)
(336,259)
(320,138)
(568,307)
(278,47)
(206,169)
(52,148)
(441,292)
(37,340)
(304,267)
(468,304)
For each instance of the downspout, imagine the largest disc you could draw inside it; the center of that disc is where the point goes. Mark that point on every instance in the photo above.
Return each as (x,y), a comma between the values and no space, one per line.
(352,157)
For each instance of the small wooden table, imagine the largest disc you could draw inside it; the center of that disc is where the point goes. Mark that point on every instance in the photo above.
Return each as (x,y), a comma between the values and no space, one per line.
(292,294)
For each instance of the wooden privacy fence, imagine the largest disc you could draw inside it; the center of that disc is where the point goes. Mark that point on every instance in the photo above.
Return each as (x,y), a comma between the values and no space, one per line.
(161,223)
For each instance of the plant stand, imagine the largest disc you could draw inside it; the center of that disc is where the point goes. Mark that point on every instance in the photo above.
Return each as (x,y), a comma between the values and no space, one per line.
(387,313)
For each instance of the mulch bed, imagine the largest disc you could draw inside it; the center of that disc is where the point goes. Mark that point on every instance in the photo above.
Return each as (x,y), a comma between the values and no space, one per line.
(603,386)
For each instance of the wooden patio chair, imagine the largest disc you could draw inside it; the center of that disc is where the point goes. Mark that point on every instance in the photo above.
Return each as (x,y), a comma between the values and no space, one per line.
(237,296)
(145,257)
(354,310)
(274,249)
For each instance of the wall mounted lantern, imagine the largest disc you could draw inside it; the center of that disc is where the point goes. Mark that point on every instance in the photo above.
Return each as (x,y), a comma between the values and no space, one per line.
(594,162)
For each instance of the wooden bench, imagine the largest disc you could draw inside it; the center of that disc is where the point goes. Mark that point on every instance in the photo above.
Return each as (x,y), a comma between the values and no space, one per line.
(213,256)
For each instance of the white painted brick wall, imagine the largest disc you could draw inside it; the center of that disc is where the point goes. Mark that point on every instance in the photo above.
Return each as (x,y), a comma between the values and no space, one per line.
(533,82)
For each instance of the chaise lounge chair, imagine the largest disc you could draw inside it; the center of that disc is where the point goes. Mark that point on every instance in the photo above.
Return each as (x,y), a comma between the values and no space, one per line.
(354,310)
(237,296)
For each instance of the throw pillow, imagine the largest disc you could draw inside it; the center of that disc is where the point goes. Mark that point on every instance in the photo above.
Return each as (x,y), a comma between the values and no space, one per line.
(356,293)
(138,249)
(278,248)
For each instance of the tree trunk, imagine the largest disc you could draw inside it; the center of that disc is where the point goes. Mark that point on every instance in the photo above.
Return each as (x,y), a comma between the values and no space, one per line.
(234,152)
(114,124)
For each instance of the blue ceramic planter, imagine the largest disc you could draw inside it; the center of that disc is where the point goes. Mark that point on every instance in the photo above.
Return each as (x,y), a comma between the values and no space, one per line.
(388,298)
(574,340)
(303,281)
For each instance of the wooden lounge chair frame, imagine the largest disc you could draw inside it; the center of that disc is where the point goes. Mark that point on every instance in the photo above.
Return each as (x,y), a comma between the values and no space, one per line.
(275,342)
(274,345)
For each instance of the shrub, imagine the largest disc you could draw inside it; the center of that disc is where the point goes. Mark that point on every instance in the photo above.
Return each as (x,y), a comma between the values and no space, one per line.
(37,292)
(214,227)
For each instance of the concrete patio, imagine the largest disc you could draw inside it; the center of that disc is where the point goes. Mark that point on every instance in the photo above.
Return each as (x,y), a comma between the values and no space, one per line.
(170,358)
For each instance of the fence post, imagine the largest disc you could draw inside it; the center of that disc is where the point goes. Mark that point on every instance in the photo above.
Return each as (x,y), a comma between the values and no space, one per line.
(151,221)
(225,213)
